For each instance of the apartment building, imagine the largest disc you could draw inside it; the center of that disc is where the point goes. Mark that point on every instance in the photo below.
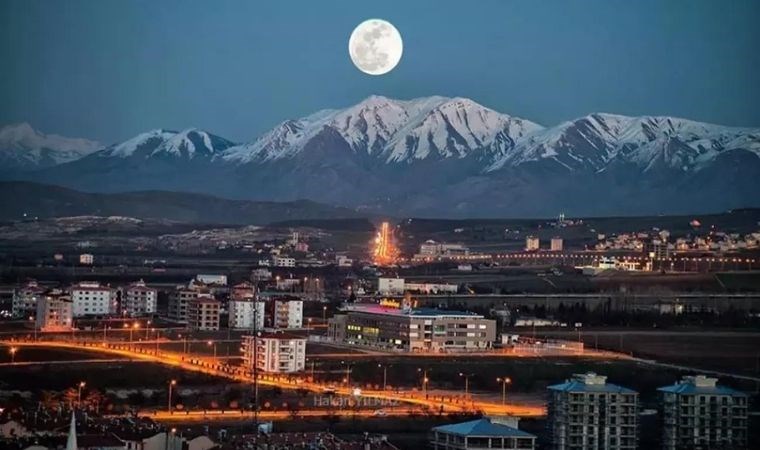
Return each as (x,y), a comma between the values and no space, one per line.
(93,299)
(287,313)
(587,413)
(244,314)
(139,300)
(697,412)
(275,352)
(25,298)
(203,313)
(55,311)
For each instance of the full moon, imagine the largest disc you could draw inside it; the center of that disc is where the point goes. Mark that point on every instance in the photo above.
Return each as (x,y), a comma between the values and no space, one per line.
(375,47)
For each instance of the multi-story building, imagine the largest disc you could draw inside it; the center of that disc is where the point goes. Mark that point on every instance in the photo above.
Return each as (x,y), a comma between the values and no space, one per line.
(532,244)
(275,352)
(390,285)
(244,314)
(287,313)
(413,330)
(557,244)
(218,280)
(431,250)
(478,434)
(431,288)
(283,261)
(699,413)
(139,300)
(179,299)
(93,299)
(86,259)
(25,299)
(55,311)
(587,413)
(243,291)
(203,313)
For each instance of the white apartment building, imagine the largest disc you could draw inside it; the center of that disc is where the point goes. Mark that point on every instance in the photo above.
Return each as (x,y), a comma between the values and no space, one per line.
(432,288)
(93,299)
(557,244)
(699,413)
(219,280)
(287,313)
(532,244)
(25,299)
(587,413)
(275,352)
(390,286)
(245,313)
(203,313)
(139,300)
(54,312)
(283,261)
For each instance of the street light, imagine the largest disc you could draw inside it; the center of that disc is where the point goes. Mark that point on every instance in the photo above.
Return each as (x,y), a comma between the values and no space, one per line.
(504,382)
(324,314)
(13,351)
(385,374)
(466,377)
(425,380)
(347,378)
(79,393)
(210,343)
(172,383)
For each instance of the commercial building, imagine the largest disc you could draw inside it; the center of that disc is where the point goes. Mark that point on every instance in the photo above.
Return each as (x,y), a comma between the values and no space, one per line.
(587,413)
(139,300)
(431,250)
(431,288)
(532,244)
(93,299)
(275,352)
(287,313)
(483,433)
(413,330)
(389,286)
(203,313)
(25,298)
(244,314)
(55,312)
(557,244)
(699,413)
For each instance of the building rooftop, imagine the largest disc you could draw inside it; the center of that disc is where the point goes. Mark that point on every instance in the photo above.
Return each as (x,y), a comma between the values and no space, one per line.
(482,428)
(371,308)
(590,382)
(699,384)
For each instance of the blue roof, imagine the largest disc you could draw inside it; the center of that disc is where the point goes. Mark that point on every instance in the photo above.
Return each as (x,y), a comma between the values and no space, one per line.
(482,428)
(689,388)
(577,386)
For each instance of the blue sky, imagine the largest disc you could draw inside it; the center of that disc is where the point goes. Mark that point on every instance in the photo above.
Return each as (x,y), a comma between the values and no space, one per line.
(111,69)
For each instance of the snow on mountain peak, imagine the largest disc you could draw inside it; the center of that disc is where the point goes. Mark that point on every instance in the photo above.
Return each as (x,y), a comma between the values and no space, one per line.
(21,145)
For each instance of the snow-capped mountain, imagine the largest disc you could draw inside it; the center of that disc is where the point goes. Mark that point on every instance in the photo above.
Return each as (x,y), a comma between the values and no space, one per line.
(442,156)
(24,148)
(395,131)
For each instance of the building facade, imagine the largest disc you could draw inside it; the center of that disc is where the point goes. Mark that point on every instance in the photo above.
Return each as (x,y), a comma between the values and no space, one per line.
(178,301)
(480,434)
(245,314)
(287,313)
(25,298)
(532,244)
(55,312)
(557,244)
(587,413)
(139,300)
(699,413)
(203,313)
(283,261)
(93,299)
(390,285)
(413,330)
(275,352)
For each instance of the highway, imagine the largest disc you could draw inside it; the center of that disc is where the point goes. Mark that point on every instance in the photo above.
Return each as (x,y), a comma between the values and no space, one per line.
(444,401)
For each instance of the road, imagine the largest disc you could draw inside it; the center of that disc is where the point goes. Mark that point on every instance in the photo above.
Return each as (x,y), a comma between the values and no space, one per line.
(445,402)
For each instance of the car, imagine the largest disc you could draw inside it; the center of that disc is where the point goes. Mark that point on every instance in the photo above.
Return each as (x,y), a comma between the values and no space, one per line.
(380,413)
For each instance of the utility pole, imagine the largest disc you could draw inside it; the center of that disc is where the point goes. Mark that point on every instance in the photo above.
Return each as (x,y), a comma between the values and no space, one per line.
(172,383)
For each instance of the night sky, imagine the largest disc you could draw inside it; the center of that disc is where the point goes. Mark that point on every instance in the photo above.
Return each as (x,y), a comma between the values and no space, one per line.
(108,70)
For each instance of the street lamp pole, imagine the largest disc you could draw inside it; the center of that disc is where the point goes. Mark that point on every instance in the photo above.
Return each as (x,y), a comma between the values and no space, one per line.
(504,382)
(13,351)
(466,377)
(79,393)
(385,375)
(172,383)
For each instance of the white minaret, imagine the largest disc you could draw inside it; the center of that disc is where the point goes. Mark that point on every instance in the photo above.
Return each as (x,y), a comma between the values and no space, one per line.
(71,442)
